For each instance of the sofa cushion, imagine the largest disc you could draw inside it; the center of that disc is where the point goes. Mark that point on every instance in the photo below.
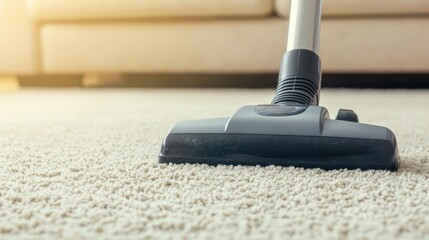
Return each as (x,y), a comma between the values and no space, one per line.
(363,7)
(125,9)
(351,45)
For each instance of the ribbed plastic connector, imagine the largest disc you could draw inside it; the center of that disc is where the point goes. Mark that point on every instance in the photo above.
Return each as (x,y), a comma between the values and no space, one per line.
(299,79)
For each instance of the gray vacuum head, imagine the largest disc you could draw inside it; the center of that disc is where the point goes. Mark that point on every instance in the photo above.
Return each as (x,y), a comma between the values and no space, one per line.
(284,135)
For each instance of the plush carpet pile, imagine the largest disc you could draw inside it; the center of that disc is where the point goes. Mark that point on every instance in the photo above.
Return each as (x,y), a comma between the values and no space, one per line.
(82,164)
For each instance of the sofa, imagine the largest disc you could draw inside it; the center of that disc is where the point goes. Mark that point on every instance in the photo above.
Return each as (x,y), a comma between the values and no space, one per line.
(78,37)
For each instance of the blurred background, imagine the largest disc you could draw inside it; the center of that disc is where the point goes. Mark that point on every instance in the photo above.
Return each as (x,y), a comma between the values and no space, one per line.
(194,43)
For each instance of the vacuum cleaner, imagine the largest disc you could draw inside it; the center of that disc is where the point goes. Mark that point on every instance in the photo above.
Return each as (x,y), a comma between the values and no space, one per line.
(293,130)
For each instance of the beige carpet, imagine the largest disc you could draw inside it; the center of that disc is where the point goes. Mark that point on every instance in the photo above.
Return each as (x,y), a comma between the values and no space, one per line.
(82,164)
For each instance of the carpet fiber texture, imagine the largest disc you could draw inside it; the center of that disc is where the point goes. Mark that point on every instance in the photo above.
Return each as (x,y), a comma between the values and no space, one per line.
(82,164)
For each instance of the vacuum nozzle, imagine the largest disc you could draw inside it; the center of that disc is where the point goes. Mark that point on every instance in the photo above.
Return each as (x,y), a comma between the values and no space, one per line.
(293,130)
(282,135)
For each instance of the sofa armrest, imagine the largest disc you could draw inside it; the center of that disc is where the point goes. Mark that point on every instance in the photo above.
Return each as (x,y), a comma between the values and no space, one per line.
(18,48)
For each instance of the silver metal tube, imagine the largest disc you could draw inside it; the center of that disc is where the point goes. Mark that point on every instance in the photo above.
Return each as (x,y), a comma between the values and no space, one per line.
(304,25)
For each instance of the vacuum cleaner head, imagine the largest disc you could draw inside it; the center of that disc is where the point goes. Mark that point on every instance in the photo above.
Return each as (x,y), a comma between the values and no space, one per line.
(293,130)
(282,135)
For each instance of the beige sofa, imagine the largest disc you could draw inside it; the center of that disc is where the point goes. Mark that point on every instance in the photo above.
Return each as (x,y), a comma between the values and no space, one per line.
(76,37)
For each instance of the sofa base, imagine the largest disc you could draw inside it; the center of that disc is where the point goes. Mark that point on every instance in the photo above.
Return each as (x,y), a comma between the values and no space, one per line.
(50,80)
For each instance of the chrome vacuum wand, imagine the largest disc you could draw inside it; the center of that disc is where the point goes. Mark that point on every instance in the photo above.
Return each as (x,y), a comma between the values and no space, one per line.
(304,25)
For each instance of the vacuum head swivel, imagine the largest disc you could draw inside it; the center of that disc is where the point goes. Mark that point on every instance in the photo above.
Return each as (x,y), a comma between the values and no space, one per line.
(291,131)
